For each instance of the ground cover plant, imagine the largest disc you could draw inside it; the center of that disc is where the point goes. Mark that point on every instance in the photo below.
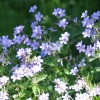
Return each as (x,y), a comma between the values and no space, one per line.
(58,60)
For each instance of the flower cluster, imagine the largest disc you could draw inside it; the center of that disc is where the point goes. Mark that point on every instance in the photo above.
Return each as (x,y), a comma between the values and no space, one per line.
(28,69)
(32,63)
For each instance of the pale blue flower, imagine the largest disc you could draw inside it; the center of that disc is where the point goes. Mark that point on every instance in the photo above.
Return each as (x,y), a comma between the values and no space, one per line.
(32,9)
(87,33)
(89,51)
(82,63)
(58,12)
(84,14)
(80,47)
(37,32)
(87,22)
(74,71)
(5,41)
(63,23)
(96,15)
(38,16)
(18,29)
(46,48)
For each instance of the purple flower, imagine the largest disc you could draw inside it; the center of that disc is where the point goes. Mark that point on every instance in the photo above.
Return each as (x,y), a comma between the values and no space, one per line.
(37,32)
(21,72)
(64,38)
(5,41)
(38,16)
(87,22)
(82,63)
(16,75)
(89,51)
(18,29)
(32,9)
(36,64)
(56,46)
(22,53)
(80,47)
(51,47)
(18,39)
(74,71)
(62,23)
(84,14)
(46,48)
(87,33)
(58,12)
(27,41)
(96,15)
(35,45)
(33,24)
(27,69)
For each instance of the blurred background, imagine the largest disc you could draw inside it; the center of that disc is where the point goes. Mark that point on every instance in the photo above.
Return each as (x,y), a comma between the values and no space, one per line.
(15,12)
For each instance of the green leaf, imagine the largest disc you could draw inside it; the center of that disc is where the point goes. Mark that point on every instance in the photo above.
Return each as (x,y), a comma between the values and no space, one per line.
(66,72)
(95,57)
(39,78)
(34,89)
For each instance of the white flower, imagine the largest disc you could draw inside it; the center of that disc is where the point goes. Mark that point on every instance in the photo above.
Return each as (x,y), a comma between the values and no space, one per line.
(3,95)
(64,38)
(98,44)
(28,51)
(60,86)
(20,53)
(36,68)
(84,14)
(80,84)
(29,99)
(83,96)
(95,91)
(66,97)
(44,96)
(37,60)
(24,53)
(3,81)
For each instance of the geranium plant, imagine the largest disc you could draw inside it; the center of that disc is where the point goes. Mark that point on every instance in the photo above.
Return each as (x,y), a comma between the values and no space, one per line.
(59,60)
